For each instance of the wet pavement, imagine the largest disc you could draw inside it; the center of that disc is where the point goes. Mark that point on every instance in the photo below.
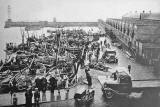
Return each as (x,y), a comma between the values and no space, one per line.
(138,71)
(64,95)
(147,98)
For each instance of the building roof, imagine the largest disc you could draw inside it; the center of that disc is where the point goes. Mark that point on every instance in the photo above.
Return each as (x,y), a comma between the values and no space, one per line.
(153,16)
(132,15)
(151,45)
(136,15)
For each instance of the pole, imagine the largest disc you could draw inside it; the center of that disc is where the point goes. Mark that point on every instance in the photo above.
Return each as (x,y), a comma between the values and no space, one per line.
(22,33)
(28,37)
(57,45)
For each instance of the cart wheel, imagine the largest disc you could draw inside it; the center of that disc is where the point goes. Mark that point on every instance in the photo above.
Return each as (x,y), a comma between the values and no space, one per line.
(109,94)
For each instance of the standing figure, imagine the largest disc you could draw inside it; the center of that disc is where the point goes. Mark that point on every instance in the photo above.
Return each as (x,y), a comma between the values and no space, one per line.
(59,83)
(98,51)
(53,83)
(101,43)
(44,84)
(37,81)
(88,76)
(129,68)
(82,61)
(28,96)
(36,97)
(66,79)
(92,47)
(104,41)
(90,56)
(115,75)
(15,100)
(11,90)
(1,62)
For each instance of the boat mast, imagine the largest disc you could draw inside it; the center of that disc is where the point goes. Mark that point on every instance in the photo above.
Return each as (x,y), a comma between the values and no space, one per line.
(28,36)
(22,33)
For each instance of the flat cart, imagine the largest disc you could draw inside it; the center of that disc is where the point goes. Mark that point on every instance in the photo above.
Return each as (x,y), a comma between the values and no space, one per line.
(84,94)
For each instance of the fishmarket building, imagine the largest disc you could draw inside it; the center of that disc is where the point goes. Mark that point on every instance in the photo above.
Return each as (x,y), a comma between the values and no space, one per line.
(140,33)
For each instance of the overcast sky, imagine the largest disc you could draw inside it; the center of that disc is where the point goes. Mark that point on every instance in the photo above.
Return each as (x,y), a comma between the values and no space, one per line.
(73,10)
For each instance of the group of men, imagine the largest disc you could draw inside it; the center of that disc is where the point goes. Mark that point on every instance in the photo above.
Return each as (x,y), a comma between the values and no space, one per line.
(29,95)
(28,98)
(41,84)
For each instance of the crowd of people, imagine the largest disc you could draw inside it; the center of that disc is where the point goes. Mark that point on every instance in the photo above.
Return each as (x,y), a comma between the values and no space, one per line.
(57,81)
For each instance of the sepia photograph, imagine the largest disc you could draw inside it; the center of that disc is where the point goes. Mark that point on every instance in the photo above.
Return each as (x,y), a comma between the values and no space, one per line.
(79,53)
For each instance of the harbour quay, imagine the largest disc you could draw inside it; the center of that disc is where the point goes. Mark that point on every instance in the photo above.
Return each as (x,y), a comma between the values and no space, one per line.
(139,34)
(111,63)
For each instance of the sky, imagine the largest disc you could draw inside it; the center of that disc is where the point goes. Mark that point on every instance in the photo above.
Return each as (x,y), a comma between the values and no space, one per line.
(73,10)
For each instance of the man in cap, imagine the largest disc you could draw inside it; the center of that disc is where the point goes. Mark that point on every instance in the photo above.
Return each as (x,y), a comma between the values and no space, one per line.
(28,96)
(37,81)
(36,97)
(88,76)
(53,83)
(15,100)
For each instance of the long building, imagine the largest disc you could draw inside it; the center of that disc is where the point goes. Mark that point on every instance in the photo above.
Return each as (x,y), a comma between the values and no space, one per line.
(140,33)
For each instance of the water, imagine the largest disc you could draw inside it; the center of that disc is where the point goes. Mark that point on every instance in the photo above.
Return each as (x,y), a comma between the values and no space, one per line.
(8,35)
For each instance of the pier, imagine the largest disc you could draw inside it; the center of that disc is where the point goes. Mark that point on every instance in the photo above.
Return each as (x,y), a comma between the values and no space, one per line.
(9,23)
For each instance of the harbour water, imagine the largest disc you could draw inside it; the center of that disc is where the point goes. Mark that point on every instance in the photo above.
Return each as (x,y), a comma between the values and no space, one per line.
(8,35)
